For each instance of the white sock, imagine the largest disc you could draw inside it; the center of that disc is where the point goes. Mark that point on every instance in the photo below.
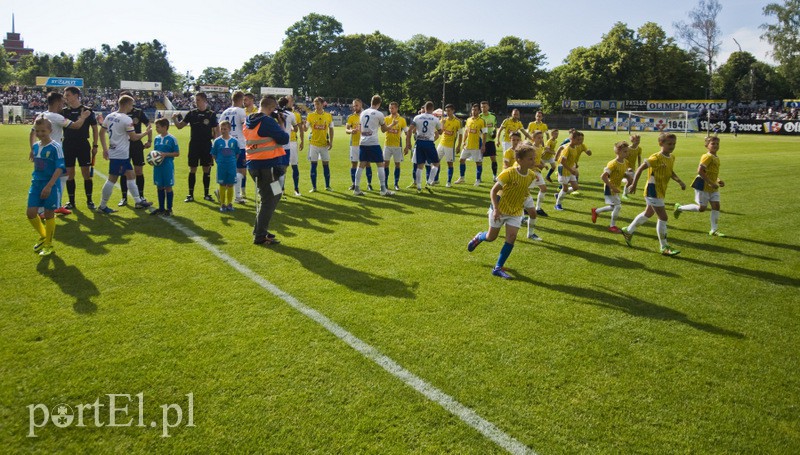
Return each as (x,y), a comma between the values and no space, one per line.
(434,171)
(357,183)
(63,179)
(539,199)
(638,221)
(382,177)
(714,219)
(661,230)
(418,177)
(624,187)
(237,187)
(690,208)
(615,214)
(560,196)
(134,190)
(107,191)
(282,180)
(607,208)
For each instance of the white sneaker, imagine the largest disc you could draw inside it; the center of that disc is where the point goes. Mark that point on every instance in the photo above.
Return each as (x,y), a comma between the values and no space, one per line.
(448,185)
(477,183)
(358,192)
(460,181)
(387,193)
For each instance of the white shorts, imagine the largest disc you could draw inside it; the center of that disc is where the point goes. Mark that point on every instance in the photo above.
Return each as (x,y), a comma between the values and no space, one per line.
(393,152)
(655,201)
(539,180)
(551,161)
(355,152)
(529,204)
(629,174)
(506,146)
(515,221)
(613,199)
(293,151)
(445,153)
(704,197)
(472,154)
(566,179)
(318,153)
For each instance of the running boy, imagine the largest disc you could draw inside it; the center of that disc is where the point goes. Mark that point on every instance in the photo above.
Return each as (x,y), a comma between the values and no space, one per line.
(45,191)
(514,183)
(225,152)
(164,174)
(659,172)
(634,160)
(568,170)
(612,177)
(706,186)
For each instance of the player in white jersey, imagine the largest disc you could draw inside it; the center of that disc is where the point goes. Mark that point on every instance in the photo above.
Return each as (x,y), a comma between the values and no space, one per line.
(55,104)
(236,116)
(427,128)
(290,126)
(119,128)
(372,120)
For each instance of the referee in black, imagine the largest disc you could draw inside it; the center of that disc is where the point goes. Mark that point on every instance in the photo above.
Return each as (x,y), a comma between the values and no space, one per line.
(76,146)
(137,150)
(204,124)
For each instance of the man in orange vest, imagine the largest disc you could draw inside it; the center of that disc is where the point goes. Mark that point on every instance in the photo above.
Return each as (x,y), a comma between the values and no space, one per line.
(265,138)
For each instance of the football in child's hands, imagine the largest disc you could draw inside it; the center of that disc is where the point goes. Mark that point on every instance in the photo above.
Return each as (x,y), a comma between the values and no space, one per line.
(155,158)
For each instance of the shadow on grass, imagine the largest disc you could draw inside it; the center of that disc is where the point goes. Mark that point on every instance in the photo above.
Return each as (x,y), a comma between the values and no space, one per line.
(760,275)
(610,261)
(71,281)
(608,298)
(355,280)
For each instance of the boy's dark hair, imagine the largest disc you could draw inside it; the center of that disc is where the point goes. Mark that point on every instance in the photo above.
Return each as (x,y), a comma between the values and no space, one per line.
(283,102)
(202,95)
(450,106)
(268,101)
(163,122)
(516,133)
(320,99)
(74,90)
(250,95)
(711,139)
(238,95)
(523,150)
(429,106)
(53,98)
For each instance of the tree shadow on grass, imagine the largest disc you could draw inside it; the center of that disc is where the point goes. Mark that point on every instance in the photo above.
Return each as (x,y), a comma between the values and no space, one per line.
(759,275)
(355,280)
(607,260)
(71,281)
(608,298)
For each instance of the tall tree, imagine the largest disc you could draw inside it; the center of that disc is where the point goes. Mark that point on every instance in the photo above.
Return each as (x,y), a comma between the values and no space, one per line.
(216,75)
(784,36)
(6,70)
(30,66)
(254,72)
(88,65)
(702,33)
(153,64)
(304,40)
(743,78)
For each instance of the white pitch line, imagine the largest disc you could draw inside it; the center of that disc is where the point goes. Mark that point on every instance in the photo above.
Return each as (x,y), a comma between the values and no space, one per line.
(470,417)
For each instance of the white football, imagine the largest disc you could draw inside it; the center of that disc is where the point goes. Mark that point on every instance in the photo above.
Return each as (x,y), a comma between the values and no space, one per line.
(155,158)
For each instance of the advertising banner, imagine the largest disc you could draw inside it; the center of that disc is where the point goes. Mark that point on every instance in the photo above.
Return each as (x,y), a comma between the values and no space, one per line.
(140,85)
(781,127)
(686,105)
(50,81)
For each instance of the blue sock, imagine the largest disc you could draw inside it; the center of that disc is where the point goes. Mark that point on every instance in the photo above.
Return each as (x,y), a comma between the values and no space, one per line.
(481,236)
(462,168)
(396,176)
(314,175)
(494,168)
(369,175)
(449,174)
(170,197)
(549,173)
(161,197)
(295,177)
(479,171)
(244,180)
(353,175)
(326,171)
(505,252)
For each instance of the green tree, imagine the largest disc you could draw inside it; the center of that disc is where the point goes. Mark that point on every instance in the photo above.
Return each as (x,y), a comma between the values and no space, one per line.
(339,71)
(305,39)
(30,66)
(88,65)
(743,78)
(702,33)
(421,84)
(254,72)
(153,64)
(63,65)
(784,36)
(6,70)
(216,75)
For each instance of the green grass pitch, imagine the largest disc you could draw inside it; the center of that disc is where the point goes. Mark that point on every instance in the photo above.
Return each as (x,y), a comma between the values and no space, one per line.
(594,347)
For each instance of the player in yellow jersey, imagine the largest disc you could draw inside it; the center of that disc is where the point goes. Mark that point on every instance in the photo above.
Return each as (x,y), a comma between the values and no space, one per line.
(250,104)
(510,154)
(514,183)
(706,186)
(568,170)
(450,140)
(659,172)
(393,142)
(510,125)
(538,125)
(613,179)
(473,145)
(539,146)
(353,128)
(321,124)
(634,160)
(549,156)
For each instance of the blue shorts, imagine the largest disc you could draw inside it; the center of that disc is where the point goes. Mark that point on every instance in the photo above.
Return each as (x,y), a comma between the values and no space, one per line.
(241,161)
(370,153)
(425,152)
(119,167)
(34,199)
(226,173)
(285,158)
(164,175)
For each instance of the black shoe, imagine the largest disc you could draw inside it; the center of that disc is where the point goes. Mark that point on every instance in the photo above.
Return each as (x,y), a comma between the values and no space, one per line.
(167,213)
(208,198)
(69,206)
(90,205)
(123,202)
(158,212)
(541,212)
(189,198)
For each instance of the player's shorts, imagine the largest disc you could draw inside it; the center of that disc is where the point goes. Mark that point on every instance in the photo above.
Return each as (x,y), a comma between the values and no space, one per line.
(445,153)
(294,152)
(425,152)
(654,201)
(528,203)
(287,155)
(318,153)
(472,154)
(137,153)
(355,151)
(612,199)
(704,197)
(51,202)
(77,150)
(370,153)
(200,153)
(515,221)
(566,179)
(490,149)
(119,167)
(226,174)
(164,175)
(629,174)
(506,145)
(395,153)
(539,180)
(551,161)
(241,160)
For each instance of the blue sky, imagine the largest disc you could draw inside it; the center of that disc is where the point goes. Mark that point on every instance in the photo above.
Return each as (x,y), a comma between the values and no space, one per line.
(203,33)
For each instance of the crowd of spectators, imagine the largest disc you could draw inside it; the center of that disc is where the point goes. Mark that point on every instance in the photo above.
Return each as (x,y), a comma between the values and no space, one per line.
(760,110)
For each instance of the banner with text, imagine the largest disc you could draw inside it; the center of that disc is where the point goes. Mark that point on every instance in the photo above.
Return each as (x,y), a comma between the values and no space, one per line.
(524,103)
(582,105)
(781,127)
(214,88)
(140,85)
(48,81)
(686,105)
(282,91)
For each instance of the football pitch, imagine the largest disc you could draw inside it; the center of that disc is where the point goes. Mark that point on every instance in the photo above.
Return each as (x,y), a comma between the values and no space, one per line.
(594,347)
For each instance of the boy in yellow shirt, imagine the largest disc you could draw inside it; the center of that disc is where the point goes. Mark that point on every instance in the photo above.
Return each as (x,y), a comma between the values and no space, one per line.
(474,145)
(612,178)
(706,186)
(568,170)
(634,160)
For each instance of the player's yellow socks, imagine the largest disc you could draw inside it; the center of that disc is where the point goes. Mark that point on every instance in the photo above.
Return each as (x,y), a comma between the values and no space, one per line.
(49,229)
(37,225)
(230,194)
